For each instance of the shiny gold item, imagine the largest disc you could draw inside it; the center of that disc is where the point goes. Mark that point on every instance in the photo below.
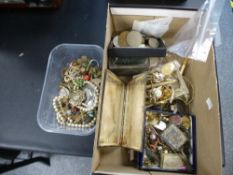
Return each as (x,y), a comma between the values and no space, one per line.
(183,66)
(122,118)
(186,123)
(167,92)
(152,118)
(171,161)
(134,39)
(149,116)
(174,137)
(164,83)
(122,39)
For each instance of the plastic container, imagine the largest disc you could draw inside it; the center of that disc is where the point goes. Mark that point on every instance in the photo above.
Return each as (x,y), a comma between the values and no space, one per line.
(59,58)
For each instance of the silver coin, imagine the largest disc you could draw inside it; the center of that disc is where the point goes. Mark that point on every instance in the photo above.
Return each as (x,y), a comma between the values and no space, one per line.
(153,43)
(134,39)
(115,41)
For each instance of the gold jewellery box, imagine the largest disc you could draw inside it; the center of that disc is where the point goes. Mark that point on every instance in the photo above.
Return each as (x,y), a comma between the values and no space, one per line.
(113,138)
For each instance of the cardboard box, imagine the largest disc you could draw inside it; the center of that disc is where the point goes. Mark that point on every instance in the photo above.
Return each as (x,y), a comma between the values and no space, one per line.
(205,106)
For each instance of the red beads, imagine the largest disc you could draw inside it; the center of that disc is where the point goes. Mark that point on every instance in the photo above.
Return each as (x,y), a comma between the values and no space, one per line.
(86,77)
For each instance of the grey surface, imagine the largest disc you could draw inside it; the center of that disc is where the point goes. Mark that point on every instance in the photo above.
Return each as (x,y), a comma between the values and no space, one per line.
(81,166)
(60,165)
(224,54)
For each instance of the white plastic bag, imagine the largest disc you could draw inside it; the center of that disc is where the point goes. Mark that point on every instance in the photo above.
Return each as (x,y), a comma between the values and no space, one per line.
(155,27)
(195,38)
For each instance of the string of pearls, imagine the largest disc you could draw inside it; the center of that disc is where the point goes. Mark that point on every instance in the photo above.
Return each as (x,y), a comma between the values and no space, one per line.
(62,118)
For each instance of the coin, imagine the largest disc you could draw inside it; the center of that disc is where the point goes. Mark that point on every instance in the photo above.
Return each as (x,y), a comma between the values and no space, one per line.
(134,39)
(143,46)
(115,41)
(122,39)
(153,43)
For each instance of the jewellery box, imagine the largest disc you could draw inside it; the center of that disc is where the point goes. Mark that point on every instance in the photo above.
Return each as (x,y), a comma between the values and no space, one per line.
(169,142)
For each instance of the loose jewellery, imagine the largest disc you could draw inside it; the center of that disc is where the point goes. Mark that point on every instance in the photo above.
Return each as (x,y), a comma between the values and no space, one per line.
(166,84)
(169,147)
(77,101)
(168,137)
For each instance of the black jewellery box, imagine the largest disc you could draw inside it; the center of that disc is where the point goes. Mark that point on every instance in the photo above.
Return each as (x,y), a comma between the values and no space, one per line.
(169,142)
(131,61)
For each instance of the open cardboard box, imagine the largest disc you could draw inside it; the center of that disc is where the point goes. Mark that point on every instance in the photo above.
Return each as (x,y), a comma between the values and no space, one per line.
(205,106)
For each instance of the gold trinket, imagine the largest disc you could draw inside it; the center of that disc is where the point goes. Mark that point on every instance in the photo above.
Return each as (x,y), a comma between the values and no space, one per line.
(185,122)
(183,67)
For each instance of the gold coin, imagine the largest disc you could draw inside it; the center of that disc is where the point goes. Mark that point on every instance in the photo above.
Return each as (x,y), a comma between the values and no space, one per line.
(185,122)
(122,39)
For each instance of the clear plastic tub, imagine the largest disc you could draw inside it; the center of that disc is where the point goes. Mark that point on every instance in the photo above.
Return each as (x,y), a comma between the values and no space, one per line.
(59,58)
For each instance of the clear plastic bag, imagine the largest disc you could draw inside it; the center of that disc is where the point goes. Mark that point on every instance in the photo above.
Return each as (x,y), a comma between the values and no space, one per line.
(195,38)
